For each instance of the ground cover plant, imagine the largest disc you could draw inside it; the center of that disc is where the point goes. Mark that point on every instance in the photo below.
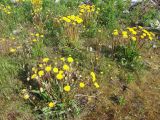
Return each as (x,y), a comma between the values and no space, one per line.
(79,60)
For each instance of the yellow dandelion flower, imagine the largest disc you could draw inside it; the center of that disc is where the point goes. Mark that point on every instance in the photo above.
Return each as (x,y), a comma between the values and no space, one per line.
(12,50)
(90,11)
(152,34)
(124,32)
(93,76)
(33,76)
(142,36)
(55,70)
(70,59)
(81,85)
(134,38)
(96,85)
(8,12)
(80,14)
(41,73)
(34,40)
(40,65)
(65,67)
(26,96)
(125,36)
(41,36)
(145,31)
(74,23)
(134,32)
(82,10)
(150,38)
(62,59)
(67,88)
(72,17)
(37,34)
(48,68)
(140,27)
(34,69)
(115,33)
(45,59)
(51,104)
(66,19)
(79,20)
(59,76)
(61,72)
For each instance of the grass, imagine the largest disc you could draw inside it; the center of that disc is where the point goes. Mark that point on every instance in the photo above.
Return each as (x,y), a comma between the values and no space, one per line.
(120,83)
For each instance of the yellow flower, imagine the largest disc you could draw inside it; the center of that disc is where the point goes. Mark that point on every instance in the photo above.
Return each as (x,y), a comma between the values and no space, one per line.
(66,19)
(134,32)
(115,33)
(72,17)
(61,72)
(45,59)
(34,69)
(152,34)
(40,65)
(81,85)
(55,70)
(79,20)
(140,27)
(37,35)
(51,104)
(125,36)
(142,36)
(48,68)
(82,10)
(70,59)
(65,67)
(93,76)
(18,47)
(80,14)
(74,23)
(26,96)
(41,73)
(8,12)
(67,88)
(130,29)
(42,36)
(124,32)
(12,50)
(33,76)
(150,38)
(145,31)
(88,10)
(34,40)
(59,76)
(96,85)
(134,38)
(63,59)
